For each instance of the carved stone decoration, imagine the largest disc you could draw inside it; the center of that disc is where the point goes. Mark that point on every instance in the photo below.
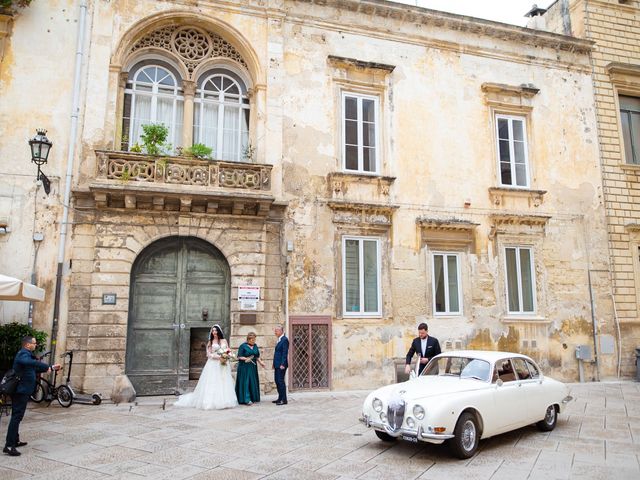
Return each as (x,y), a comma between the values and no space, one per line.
(498,195)
(447,233)
(130,167)
(362,214)
(191,45)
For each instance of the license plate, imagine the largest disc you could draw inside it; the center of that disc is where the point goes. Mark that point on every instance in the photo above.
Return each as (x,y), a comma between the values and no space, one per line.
(409,439)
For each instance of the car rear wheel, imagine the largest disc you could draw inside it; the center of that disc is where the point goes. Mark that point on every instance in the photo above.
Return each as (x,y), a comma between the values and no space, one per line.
(464,444)
(549,421)
(385,437)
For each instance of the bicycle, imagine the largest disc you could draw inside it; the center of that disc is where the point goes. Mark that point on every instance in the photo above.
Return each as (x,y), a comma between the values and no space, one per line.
(47,391)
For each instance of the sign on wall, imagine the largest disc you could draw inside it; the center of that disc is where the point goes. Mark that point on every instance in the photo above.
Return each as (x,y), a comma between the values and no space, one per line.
(248,297)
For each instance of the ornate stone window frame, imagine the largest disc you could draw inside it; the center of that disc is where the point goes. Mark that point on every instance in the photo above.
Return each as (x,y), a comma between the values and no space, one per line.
(448,236)
(371,220)
(520,230)
(625,79)
(512,100)
(358,77)
(633,229)
(166,40)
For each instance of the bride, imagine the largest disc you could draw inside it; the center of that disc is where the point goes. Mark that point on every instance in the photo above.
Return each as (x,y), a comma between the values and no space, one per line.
(215,389)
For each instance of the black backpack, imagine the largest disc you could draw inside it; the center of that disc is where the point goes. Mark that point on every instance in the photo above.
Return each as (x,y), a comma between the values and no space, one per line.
(9,382)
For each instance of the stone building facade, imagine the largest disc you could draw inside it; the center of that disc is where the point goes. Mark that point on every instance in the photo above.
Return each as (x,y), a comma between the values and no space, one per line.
(375,165)
(614,27)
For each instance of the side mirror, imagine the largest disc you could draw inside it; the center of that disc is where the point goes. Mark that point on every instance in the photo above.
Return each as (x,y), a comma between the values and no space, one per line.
(499,382)
(412,375)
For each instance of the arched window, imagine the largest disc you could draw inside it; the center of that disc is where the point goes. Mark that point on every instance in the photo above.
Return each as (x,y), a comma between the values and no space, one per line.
(152,95)
(221,115)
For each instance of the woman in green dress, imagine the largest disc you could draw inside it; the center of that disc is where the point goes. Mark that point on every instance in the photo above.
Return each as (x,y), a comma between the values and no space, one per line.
(247,382)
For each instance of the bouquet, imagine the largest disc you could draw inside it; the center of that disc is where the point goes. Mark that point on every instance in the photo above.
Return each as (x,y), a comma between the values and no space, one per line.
(225,355)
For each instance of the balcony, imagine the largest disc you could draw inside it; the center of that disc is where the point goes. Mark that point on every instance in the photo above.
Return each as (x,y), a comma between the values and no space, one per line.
(139,181)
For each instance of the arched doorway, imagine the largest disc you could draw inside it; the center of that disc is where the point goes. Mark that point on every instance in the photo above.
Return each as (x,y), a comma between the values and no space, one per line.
(173,281)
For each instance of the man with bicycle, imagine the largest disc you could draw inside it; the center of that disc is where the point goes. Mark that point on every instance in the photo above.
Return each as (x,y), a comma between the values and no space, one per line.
(25,365)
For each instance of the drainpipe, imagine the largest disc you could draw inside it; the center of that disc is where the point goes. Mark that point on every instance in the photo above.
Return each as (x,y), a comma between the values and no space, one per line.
(67,189)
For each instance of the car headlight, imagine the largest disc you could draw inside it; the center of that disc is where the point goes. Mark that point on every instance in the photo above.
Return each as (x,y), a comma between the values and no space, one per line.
(383,416)
(411,422)
(377,404)
(418,412)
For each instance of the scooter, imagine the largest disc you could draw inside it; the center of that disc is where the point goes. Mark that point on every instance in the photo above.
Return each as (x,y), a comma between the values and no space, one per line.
(93,399)
(48,391)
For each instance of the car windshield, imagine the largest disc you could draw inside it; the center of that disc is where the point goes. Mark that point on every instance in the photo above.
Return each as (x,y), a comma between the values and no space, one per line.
(462,367)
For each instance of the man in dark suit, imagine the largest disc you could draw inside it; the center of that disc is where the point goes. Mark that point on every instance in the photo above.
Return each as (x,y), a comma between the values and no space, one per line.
(425,346)
(280,364)
(25,365)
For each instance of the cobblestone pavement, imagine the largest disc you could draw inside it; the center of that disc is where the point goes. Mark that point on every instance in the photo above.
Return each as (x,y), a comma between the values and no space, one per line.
(316,436)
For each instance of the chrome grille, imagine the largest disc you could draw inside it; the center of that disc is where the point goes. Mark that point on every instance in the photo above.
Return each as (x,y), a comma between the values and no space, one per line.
(395,414)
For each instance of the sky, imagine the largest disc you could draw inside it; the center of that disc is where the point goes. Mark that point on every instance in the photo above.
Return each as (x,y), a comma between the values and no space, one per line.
(506,11)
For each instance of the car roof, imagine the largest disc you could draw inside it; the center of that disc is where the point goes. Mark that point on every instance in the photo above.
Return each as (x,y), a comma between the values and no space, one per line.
(488,355)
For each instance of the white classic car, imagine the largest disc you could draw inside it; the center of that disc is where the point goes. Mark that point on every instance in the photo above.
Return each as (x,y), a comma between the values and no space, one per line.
(463,396)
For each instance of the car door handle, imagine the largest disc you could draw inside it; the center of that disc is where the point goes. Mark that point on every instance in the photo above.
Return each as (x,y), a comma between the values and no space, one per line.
(176,326)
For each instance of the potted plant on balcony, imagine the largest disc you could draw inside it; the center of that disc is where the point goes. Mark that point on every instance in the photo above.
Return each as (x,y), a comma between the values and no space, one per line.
(198,150)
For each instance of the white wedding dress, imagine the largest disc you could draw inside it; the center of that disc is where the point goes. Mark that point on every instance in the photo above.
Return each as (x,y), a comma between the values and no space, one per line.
(215,389)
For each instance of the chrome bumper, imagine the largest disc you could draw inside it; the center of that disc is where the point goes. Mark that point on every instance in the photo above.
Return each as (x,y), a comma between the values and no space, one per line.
(406,432)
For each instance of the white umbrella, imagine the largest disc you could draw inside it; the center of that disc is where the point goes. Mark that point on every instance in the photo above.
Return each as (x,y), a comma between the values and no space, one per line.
(14,289)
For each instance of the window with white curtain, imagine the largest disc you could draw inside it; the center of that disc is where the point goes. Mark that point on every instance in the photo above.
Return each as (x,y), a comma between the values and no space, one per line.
(152,95)
(360,133)
(520,276)
(512,151)
(446,284)
(221,116)
(361,276)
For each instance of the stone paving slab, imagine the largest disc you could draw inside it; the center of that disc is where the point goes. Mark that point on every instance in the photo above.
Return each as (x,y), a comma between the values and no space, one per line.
(317,436)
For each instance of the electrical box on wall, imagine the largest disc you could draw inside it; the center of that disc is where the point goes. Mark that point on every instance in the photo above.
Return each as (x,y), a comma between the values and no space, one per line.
(607,344)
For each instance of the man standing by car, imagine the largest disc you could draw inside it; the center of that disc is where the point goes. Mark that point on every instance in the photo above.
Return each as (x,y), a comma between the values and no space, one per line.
(280,364)
(425,346)
(25,365)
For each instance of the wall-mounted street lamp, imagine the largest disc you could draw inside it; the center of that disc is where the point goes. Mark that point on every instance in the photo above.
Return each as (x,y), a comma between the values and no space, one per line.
(40,146)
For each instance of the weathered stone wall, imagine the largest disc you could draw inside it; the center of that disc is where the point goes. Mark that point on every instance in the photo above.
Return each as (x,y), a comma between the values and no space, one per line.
(615,29)
(439,78)
(106,243)
(438,144)
(29,101)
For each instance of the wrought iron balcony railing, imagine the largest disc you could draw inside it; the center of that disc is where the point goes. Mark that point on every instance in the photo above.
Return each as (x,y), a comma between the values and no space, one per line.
(137,167)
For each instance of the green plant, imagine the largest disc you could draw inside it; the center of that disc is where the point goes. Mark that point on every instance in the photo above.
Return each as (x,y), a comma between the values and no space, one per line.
(135,148)
(249,152)
(11,336)
(161,165)
(154,138)
(126,175)
(12,5)
(198,150)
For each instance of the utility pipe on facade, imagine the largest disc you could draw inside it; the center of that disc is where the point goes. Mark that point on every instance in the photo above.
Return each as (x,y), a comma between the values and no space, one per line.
(75,109)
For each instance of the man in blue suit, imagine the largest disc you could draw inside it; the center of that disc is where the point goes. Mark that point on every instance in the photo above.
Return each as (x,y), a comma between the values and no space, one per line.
(25,365)
(280,364)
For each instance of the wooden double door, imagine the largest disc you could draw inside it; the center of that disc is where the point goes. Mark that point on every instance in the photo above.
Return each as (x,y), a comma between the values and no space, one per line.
(180,287)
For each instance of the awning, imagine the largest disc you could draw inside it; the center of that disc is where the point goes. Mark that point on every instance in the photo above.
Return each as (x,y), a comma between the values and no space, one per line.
(14,289)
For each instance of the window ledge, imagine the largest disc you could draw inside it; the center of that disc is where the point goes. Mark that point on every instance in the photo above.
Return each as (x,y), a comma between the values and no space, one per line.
(525,319)
(630,168)
(498,194)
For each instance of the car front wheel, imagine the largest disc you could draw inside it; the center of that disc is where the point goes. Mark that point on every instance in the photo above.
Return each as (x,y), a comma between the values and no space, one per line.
(385,437)
(464,444)
(549,421)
